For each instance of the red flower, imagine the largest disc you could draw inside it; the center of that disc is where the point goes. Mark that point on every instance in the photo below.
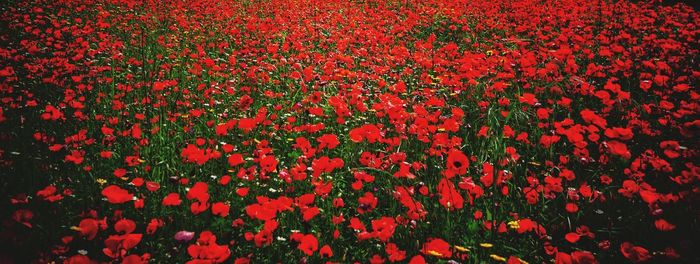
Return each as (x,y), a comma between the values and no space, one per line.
(49,194)
(417,259)
(527,225)
(310,213)
(528,98)
(437,247)
(547,141)
(125,226)
(487,177)
(88,228)
(395,254)
(618,148)
(457,163)
(76,156)
(235,159)
(663,225)
(563,258)
(136,259)
(116,195)
(172,199)
(671,148)
(199,191)
(118,245)
(572,237)
(154,225)
(207,250)
(152,186)
(220,209)
(329,141)
(198,207)
(634,253)
(367,203)
(619,133)
(268,163)
(357,225)
(120,172)
(308,244)
(576,257)
(23,216)
(326,251)
(449,196)
(326,165)
(383,228)
(369,132)
(247,124)
(242,192)
(260,212)
(592,118)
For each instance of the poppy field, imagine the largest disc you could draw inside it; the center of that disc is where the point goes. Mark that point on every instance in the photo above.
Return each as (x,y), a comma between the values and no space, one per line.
(349,131)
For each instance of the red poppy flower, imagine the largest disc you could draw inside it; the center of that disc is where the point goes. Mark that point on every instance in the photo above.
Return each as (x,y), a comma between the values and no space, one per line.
(220,209)
(172,199)
(260,212)
(199,191)
(326,251)
(235,159)
(592,118)
(369,132)
(663,225)
(528,98)
(117,245)
(417,259)
(310,213)
(153,225)
(367,203)
(572,237)
(125,226)
(437,247)
(636,254)
(308,244)
(450,198)
(329,141)
(88,228)
(383,228)
(619,149)
(247,124)
(457,163)
(547,140)
(23,216)
(207,250)
(116,195)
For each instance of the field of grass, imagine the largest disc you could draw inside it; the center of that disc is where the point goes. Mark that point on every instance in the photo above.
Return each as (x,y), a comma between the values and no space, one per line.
(349,131)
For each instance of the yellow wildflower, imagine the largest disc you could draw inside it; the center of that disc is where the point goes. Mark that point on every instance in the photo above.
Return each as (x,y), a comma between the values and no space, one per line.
(497,257)
(461,249)
(514,224)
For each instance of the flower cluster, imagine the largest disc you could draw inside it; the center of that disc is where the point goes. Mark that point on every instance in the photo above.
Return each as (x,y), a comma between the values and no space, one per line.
(305,131)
